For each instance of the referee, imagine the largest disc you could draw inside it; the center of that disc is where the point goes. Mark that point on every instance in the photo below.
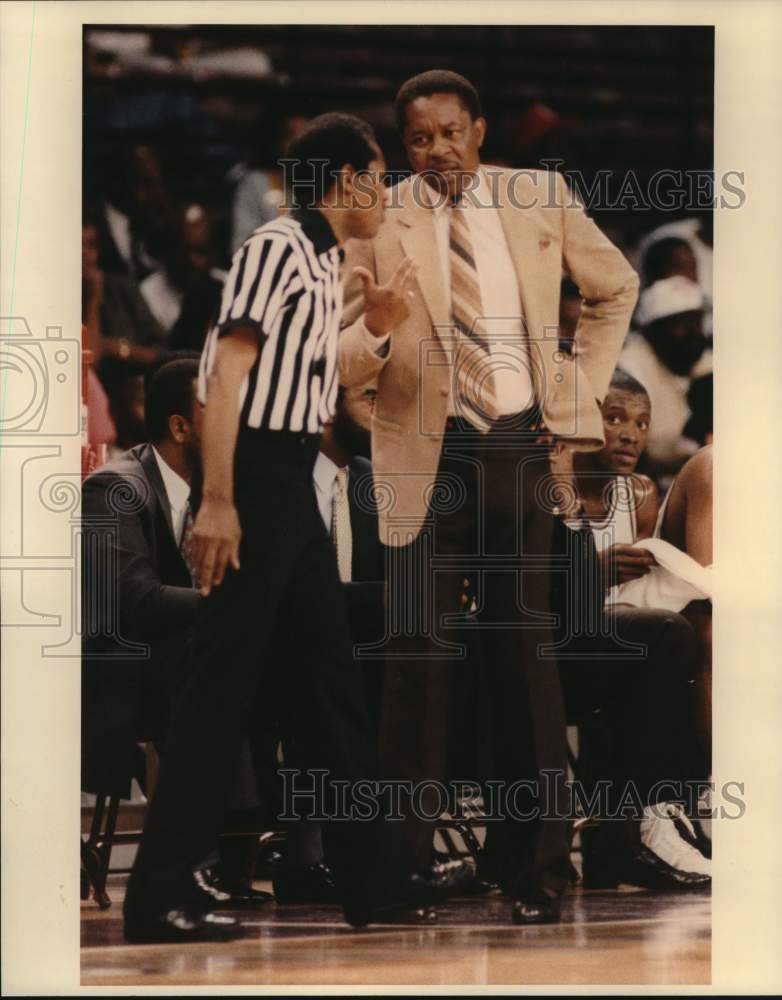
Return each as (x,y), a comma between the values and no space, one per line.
(268,380)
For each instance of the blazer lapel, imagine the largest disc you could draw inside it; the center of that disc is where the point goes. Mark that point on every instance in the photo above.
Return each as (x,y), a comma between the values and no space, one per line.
(152,472)
(521,234)
(417,235)
(522,237)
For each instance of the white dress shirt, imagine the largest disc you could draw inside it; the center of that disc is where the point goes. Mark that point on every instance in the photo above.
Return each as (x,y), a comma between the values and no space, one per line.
(325,474)
(503,316)
(178,493)
(162,297)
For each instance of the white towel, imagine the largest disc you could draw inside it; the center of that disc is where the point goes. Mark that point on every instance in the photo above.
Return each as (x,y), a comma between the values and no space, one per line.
(671,585)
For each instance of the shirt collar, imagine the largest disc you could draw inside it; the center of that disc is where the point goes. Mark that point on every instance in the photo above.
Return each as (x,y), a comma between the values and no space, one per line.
(177,490)
(324,473)
(440,205)
(316,228)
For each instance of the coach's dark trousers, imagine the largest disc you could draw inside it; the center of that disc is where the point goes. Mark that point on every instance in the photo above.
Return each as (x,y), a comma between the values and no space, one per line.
(287,595)
(488,524)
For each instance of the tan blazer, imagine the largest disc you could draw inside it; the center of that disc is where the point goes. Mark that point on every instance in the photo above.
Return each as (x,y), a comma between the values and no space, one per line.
(546,233)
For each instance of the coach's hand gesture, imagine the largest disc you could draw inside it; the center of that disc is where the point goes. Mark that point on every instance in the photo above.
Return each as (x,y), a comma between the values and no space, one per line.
(387,305)
(216,537)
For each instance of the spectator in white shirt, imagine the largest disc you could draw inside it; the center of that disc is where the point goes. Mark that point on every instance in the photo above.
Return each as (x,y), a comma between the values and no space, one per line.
(665,356)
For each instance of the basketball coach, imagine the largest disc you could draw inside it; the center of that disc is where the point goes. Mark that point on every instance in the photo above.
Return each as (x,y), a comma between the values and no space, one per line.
(471,384)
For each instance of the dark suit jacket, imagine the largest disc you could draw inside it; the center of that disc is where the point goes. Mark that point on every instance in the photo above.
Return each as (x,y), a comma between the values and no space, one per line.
(138,611)
(364,594)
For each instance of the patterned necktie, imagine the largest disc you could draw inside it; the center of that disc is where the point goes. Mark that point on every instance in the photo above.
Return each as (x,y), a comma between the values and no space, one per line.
(474,388)
(186,544)
(341,533)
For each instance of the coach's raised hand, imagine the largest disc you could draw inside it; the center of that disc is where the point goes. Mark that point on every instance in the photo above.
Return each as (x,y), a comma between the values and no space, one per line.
(387,305)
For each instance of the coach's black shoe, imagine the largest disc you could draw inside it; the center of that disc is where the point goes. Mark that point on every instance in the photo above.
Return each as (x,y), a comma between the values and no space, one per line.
(313,884)
(414,903)
(392,913)
(537,908)
(182,925)
(227,894)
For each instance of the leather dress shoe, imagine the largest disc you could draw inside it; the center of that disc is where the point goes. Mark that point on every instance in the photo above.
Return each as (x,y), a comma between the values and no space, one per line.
(642,868)
(393,913)
(435,884)
(413,903)
(218,891)
(181,925)
(267,863)
(537,908)
(313,884)
(458,878)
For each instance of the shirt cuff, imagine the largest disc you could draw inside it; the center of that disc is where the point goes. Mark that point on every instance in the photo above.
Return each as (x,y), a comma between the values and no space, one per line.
(378,345)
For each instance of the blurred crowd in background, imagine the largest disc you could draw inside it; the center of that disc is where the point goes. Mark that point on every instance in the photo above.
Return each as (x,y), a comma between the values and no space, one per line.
(183,128)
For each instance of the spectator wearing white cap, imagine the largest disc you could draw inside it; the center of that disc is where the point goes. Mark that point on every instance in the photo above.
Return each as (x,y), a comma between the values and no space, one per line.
(697,232)
(665,356)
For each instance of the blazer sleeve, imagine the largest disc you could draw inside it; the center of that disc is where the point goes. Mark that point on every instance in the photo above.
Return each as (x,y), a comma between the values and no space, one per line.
(608,286)
(147,608)
(360,360)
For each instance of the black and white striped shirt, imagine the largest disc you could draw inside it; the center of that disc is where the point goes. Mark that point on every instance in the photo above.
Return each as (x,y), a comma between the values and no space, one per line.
(284,282)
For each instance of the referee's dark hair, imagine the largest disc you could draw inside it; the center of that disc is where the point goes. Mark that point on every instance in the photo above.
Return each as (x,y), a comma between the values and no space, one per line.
(436,81)
(170,391)
(326,145)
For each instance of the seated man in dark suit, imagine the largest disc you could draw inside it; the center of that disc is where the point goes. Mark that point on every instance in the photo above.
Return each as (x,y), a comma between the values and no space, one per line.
(343,488)
(140,604)
(348,506)
(346,499)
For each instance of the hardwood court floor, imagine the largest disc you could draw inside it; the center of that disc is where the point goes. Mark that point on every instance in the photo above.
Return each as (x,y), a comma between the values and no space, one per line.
(619,937)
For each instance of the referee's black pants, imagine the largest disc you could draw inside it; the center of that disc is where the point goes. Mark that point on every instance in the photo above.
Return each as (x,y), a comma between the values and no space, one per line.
(288,586)
(487,523)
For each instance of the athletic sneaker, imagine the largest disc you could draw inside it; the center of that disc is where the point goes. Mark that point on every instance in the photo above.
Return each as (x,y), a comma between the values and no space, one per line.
(660,834)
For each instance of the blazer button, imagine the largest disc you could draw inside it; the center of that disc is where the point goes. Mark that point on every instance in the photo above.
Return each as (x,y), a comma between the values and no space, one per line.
(444,392)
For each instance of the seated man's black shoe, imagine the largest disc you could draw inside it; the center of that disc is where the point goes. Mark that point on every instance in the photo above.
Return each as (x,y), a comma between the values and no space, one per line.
(436,884)
(456,877)
(218,891)
(613,857)
(181,925)
(537,908)
(643,868)
(313,884)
